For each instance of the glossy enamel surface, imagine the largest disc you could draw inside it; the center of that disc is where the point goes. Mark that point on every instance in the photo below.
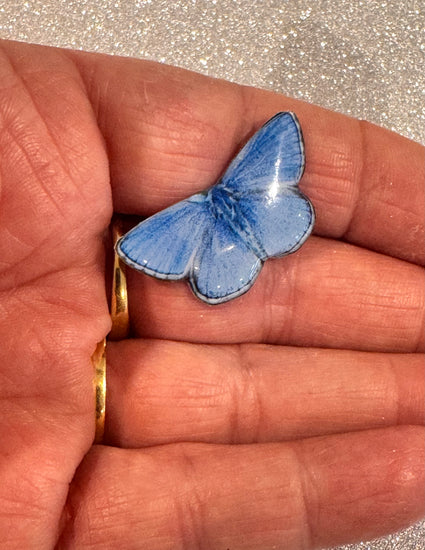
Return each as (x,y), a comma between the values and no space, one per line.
(219,239)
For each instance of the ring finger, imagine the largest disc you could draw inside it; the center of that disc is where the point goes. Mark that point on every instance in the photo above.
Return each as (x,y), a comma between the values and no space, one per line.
(164,392)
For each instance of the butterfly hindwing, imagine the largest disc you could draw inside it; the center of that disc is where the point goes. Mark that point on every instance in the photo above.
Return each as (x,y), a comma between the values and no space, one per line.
(277,228)
(164,244)
(224,266)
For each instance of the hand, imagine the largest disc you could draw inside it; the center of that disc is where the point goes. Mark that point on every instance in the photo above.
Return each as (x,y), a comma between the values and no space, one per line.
(289,418)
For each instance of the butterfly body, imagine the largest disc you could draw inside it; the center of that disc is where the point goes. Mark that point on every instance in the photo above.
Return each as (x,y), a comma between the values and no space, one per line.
(219,239)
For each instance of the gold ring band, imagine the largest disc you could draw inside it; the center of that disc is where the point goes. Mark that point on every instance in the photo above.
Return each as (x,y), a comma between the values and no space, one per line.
(119,329)
(99,363)
(119,299)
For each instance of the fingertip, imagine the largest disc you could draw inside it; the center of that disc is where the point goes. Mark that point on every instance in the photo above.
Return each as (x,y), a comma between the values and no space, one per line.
(364,485)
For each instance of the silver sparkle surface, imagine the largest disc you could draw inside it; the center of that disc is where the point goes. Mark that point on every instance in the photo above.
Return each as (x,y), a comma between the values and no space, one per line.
(365,58)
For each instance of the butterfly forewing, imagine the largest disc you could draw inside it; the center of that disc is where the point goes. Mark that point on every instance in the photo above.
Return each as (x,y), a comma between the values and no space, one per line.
(164,244)
(262,183)
(272,159)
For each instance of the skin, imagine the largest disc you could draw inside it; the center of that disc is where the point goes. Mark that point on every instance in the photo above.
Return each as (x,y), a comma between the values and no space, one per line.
(289,418)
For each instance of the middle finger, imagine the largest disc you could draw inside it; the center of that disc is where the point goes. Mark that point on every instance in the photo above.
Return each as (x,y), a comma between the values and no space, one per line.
(328,294)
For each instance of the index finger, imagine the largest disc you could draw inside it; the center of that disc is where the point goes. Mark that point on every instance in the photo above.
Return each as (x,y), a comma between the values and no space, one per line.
(171,133)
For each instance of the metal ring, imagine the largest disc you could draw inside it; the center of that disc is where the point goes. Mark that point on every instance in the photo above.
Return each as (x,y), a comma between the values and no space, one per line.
(119,299)
(119,329)
(99,363)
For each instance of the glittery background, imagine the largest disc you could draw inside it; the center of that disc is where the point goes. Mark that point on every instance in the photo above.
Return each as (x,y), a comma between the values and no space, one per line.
(362,57)
(365,58)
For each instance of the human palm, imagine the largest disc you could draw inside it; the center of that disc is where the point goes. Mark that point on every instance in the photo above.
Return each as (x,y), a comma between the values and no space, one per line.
(289,418)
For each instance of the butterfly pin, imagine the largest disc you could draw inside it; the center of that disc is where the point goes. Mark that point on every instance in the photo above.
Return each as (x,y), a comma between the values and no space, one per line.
(220,238)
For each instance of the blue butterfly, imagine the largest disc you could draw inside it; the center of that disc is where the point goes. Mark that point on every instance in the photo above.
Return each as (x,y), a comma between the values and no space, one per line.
(219,239)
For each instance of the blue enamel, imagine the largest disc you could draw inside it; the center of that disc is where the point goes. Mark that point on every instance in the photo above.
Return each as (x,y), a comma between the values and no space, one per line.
(219,239)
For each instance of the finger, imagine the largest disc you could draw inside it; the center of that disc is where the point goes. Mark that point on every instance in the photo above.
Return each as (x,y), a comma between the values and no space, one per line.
(54,173)
(303,495)
(329,294)
(55,205)
(170,133)
(165,392)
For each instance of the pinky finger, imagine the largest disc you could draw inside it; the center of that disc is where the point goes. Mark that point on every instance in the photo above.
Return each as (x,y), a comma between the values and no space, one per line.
(299,495)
